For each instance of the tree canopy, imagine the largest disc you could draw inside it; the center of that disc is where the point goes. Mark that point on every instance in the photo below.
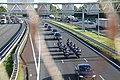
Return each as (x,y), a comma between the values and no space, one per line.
(53,8)
(2,9)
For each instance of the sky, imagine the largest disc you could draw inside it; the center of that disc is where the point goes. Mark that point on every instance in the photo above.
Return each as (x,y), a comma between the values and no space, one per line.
(59,0)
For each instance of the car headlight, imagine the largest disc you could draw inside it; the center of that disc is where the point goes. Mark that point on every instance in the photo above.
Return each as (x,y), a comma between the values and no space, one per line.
(94,76)
(81,76)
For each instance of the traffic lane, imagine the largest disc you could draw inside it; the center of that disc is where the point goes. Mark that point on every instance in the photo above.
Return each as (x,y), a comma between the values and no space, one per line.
(66,66)
(98,63)
(101,66)
(44,75)
(7,32)
(28,61)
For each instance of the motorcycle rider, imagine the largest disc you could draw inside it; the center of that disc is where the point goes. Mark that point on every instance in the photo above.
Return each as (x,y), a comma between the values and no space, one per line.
(68,42)
(64,47)
(78,49)
(59,43)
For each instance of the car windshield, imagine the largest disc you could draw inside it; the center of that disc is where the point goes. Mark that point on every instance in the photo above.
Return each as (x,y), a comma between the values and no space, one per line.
(54,30)
(85,68)
(57,34)
(49,26)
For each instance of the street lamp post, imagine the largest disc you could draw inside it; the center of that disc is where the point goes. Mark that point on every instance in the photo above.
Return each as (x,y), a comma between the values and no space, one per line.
(83,18)
(98,25)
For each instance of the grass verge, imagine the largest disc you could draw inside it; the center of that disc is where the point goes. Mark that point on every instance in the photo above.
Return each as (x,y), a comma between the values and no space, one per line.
(8,63)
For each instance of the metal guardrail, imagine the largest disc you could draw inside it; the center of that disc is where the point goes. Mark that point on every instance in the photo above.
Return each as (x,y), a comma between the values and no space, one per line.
(16,56)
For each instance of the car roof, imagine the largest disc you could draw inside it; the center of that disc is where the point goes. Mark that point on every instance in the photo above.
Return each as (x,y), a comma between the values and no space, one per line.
(83,64)
(49,26)
(54,29)
(57,32)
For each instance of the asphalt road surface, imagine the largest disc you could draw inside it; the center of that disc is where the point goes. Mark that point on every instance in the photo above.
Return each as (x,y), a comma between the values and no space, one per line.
(6,32)
(103,69)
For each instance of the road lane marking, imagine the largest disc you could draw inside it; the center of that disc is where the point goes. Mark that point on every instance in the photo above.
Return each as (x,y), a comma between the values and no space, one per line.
(64,38)
(62,61)
(101,77)
(69,78)
(30,75)
(54,44)
(38,70)
(33,51)
(85,59)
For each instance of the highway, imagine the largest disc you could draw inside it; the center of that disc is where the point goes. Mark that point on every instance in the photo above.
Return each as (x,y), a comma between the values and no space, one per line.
(103,69)
(6,32)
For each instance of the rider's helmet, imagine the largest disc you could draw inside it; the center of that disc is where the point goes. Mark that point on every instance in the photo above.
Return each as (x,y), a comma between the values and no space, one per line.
(68,40)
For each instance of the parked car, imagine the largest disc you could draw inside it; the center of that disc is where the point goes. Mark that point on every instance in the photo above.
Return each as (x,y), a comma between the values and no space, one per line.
(59,19)
(75,20)
(84,71)
(88,22)
(3,21)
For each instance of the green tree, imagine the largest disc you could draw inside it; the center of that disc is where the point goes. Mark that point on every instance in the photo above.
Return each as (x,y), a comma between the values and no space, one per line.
(80,9)
(53,8)
(75,9)
(2,9)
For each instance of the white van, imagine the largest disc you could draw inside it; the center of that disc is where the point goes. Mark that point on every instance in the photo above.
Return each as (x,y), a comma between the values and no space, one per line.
(102,23)
(3,19)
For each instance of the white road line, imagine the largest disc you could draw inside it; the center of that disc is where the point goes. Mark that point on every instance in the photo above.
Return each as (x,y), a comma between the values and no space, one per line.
(101,77)
(33,52)
(54,44)
(62,61)
(69,78)
(38,70)
(85,59)
(30,75)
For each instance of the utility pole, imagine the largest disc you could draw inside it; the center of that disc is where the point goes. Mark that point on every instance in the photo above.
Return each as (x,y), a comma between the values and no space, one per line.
(83,19)
(98,24)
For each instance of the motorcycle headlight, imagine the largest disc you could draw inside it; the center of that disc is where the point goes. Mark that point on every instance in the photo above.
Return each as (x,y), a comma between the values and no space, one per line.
(94,76)
(81,76)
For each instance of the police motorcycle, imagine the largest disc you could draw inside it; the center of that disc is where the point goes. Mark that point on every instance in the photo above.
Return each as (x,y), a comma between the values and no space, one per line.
(77,52)
(63,48)
(66,51)
(68,43)
(60,45)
